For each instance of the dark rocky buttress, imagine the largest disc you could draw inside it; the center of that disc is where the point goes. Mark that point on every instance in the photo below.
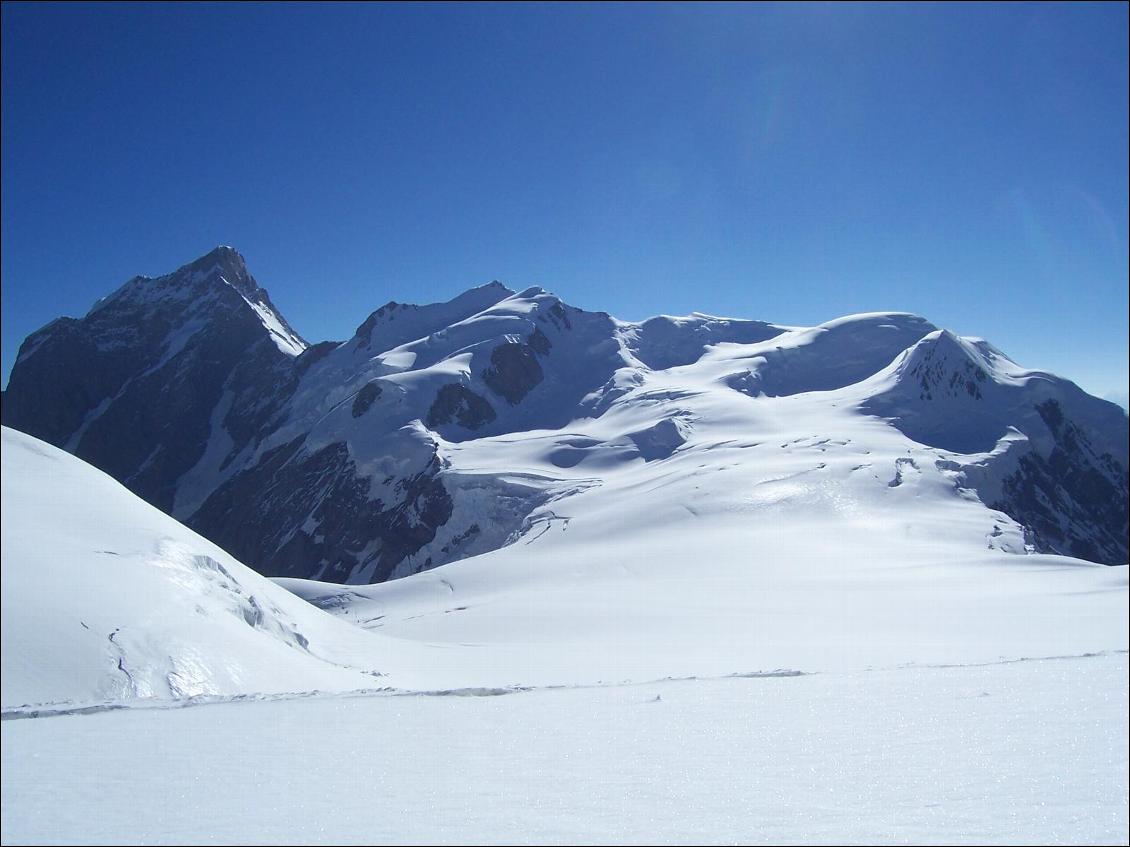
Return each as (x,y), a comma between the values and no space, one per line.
(310,514)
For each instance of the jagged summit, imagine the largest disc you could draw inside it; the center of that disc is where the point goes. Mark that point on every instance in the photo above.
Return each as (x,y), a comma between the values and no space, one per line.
(224,263)
(221,254)
(132,384)
(206,280)
(220,266)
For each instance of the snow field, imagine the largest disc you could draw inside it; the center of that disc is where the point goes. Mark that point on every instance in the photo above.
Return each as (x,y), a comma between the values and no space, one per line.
(1023,752)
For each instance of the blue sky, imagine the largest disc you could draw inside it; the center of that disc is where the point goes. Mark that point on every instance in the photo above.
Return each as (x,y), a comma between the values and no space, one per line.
(786,162)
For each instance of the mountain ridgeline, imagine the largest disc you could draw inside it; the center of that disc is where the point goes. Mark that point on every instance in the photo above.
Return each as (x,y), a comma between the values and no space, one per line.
(407,446)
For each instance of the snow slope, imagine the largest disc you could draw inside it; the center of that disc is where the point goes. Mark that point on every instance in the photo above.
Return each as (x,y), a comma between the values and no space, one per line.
(695,528)
(107,599)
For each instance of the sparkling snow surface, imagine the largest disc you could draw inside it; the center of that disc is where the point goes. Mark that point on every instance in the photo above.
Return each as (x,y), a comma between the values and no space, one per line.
(1030,752)
(747,612)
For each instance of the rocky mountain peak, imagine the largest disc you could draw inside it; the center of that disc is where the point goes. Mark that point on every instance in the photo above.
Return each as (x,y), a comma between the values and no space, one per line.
(224,263)
(944,364)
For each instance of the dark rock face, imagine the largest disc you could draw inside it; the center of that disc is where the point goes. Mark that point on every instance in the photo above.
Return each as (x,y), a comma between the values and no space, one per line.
(51,392)
(148,365)
(514,371)
(365,331)
(539,342)
(261,515)
(461,404)
(369,392)
(260,385)
(158,426)
(935,376)
(1074,499)
(314,354)
(661,440)
(461,539)
(559,316)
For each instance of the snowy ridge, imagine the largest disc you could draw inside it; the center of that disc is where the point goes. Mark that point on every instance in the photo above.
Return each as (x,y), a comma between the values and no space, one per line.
(450,430)
(395,323)
(285,338)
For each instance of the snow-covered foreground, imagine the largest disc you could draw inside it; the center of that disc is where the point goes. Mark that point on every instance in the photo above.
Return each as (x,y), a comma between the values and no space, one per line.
(1026,752)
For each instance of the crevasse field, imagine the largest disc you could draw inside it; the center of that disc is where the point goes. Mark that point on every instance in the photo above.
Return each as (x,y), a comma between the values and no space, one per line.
(794,627)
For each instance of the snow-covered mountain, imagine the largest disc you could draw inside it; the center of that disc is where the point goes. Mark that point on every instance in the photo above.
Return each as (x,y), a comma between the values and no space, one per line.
(441,432)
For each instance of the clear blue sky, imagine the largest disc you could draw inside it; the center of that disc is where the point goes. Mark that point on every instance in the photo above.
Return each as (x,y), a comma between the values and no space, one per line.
(785,162)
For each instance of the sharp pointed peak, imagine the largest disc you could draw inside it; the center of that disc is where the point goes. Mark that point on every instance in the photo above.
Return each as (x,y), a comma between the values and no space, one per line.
(225,263)
(223,250)
(227,259)
(944,340)
(942,358)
